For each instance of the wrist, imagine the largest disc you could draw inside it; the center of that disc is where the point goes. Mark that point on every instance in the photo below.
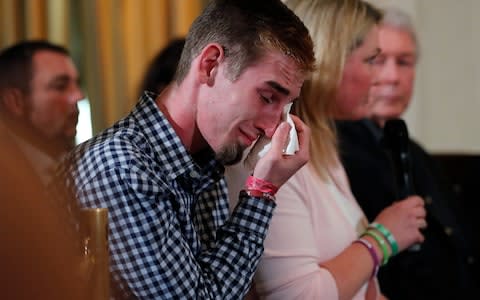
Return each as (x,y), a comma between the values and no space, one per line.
(259,194)
(387,235)
(376,247)
(258,185)
(373,253)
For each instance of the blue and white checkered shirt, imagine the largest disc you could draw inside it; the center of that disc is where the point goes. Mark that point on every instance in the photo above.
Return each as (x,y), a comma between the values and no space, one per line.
(171,236)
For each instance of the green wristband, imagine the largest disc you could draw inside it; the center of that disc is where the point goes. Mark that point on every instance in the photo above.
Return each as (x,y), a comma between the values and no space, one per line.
(388,236)
(381,242)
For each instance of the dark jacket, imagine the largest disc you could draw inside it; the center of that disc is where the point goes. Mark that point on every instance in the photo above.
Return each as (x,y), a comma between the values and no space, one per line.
(441,268)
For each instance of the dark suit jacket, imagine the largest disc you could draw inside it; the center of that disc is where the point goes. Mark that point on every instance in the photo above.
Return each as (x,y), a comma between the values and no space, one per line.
(441,268)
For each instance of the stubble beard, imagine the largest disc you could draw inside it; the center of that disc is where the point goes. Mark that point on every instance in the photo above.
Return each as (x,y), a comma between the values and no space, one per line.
(230,154)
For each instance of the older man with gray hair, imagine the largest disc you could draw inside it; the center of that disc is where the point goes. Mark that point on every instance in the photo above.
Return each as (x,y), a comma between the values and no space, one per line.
(441,268)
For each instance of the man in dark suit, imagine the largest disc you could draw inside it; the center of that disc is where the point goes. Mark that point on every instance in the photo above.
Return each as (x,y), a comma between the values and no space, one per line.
(441,267)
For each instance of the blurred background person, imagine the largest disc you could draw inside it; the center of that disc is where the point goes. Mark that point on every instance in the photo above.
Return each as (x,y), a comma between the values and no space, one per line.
(39,91)
(440,269)
(161,69)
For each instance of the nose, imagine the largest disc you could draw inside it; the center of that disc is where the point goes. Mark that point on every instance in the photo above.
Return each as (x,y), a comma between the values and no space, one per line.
(76,95)
(269,131)
(270,121)
(388,73)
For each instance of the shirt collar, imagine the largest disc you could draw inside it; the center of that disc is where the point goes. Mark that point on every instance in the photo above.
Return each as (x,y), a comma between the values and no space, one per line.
(167,145)
(374,129)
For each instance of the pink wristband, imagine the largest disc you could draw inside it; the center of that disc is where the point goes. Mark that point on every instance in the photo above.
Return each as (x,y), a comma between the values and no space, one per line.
(260,185)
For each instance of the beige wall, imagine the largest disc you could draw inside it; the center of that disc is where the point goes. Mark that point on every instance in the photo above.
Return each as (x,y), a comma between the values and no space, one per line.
(445,112)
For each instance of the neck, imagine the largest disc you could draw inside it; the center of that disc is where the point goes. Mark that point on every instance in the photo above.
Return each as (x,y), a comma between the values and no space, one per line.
(53,147)
(379,121)
(178,103)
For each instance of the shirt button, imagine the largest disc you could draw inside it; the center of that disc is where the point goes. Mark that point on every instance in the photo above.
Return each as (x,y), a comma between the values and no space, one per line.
(428,200)
(448,231)
(194,174)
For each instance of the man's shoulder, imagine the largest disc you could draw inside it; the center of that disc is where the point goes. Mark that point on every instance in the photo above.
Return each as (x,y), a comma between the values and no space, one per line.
(113,150)
(118,162)
(354,132)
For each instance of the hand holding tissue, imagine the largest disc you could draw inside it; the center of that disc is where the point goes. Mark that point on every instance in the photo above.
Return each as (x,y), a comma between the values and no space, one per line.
(263,144)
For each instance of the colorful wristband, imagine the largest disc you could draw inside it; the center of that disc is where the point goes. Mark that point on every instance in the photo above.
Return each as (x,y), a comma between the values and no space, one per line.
(373,254)
(258,194)
(388,236)
(381,242)
(260,185)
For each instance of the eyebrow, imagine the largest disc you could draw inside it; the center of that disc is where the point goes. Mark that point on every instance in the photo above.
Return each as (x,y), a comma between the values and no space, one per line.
(62,78)
(278,87)
(410,54)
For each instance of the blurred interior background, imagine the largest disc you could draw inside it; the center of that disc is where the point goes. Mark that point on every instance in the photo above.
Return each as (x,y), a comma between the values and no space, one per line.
(112,42)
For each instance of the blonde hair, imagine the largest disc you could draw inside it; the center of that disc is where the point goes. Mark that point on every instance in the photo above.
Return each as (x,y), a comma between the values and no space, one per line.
(337,28)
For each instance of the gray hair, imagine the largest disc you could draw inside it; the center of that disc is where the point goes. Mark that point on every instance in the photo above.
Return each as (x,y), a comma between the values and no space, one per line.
(398,19)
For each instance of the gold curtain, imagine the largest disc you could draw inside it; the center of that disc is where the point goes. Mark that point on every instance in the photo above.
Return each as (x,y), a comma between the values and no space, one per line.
(112,41)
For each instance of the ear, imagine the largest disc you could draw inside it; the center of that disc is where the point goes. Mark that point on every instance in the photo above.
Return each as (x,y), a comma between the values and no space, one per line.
(13,101)
(209,60)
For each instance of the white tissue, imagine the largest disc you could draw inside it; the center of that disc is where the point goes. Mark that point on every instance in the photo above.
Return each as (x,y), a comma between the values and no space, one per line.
(263,144)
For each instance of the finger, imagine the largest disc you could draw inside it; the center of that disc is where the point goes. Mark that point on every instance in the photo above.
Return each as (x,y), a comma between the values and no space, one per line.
(419,212)
(298,123)
(280,136)
(418,201)
(422,223)
(421,238)
(303,132)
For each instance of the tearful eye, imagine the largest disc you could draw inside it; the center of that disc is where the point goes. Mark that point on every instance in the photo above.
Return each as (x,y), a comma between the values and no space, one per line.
(266,100)
(266,97)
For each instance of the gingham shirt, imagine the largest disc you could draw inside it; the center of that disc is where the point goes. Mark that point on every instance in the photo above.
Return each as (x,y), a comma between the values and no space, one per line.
(171,236)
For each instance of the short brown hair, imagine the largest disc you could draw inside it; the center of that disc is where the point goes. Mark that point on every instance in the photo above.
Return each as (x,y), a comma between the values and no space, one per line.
(16,63)
(245,29)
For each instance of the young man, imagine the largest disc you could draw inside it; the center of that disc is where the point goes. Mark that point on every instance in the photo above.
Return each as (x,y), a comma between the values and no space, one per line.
(439,269)
(39,92)
(160,170)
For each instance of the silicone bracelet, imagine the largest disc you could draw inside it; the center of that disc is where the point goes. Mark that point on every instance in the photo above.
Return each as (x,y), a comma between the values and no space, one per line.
(381,242)
(373,254)
(388,236)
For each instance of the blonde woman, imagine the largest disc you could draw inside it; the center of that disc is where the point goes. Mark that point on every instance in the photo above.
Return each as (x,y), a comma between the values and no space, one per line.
(319,244)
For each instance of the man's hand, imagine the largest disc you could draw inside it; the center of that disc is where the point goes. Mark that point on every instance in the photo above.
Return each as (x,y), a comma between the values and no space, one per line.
(275,167)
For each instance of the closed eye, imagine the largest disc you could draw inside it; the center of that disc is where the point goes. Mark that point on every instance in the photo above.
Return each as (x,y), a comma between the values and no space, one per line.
(266,100)
(406,62)
(266,97)
(372,59)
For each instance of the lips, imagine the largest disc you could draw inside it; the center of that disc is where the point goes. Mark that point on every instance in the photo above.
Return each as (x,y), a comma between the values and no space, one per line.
(389,98)
(386,91)
(73,118)
(71,124)
(249,139)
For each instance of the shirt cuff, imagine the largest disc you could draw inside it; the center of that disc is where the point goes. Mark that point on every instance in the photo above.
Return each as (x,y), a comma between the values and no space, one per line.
(253,214)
